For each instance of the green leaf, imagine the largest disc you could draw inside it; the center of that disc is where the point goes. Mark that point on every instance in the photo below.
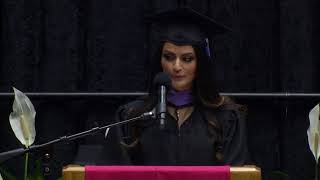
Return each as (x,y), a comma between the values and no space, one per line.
(282,175)
(37,175)
(6,175)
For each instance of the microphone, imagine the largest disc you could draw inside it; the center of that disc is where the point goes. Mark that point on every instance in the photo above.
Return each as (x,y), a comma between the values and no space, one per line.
(162,81)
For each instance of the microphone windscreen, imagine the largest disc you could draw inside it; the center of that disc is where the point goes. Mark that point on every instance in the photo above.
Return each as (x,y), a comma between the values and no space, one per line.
(162,78)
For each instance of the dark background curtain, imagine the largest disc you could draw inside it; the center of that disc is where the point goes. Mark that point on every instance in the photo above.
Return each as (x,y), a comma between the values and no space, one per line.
(103,46)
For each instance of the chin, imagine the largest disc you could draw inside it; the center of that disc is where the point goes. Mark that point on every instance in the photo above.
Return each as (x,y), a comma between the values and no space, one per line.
(180,88)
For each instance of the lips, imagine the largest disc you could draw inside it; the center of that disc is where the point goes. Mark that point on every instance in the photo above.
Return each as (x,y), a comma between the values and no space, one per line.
(177,78)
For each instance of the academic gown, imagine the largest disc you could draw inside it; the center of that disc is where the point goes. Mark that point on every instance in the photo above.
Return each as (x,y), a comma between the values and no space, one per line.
(191,144)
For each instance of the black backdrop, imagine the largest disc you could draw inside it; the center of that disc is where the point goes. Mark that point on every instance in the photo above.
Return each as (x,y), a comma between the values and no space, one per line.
(102,46)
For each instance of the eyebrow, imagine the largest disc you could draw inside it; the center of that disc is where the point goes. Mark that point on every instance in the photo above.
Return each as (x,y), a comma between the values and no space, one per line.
(167,51)
(188,54)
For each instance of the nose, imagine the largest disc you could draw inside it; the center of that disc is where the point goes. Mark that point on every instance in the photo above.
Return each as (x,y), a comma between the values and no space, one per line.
(177,65)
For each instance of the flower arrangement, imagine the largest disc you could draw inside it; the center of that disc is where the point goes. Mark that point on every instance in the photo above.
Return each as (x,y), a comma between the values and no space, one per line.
(313,135)
(22,121)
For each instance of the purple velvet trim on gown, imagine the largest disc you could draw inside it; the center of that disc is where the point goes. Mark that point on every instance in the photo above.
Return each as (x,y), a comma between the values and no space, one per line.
(180,98)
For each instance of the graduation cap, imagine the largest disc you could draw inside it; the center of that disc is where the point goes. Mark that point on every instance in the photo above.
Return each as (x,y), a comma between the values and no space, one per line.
(185,26)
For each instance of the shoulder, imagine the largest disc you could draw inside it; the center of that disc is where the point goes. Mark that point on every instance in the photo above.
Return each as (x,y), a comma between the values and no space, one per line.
(138,103)
(130,108)
(232,109)
(224,104)
(230,104)
(228,114)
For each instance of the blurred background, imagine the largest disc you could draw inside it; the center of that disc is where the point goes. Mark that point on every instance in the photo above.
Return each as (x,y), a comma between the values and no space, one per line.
(104,46)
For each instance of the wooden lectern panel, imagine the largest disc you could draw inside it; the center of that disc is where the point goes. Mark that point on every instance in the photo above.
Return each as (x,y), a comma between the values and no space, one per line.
(245,173)
(75,172)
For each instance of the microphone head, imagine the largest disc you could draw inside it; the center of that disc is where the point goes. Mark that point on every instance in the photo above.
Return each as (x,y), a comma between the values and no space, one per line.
(162,79)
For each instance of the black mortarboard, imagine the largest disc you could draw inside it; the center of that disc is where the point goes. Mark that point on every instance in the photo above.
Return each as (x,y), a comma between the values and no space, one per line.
(184,26)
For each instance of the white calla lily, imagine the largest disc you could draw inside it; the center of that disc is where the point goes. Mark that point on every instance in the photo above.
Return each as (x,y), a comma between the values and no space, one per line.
(313,132)
(22,119)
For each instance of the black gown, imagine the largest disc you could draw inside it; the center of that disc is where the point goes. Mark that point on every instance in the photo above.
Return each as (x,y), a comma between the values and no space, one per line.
(191,144)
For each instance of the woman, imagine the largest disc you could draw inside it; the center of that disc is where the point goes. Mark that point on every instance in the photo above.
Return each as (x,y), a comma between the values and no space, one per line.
(201,127)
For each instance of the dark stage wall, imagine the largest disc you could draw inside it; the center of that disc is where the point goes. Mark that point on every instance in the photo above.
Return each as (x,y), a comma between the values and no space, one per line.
(103,46)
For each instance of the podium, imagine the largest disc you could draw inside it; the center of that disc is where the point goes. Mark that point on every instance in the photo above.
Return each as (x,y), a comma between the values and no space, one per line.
(75,172)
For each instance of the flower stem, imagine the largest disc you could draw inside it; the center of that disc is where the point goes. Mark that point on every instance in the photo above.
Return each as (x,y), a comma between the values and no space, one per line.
(316,174)
(26,166)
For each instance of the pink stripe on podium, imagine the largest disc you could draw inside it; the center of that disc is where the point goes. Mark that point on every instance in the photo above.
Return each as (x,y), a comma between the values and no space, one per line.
(157,172)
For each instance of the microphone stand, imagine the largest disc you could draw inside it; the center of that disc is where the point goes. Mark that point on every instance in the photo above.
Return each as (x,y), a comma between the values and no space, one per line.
(16,152)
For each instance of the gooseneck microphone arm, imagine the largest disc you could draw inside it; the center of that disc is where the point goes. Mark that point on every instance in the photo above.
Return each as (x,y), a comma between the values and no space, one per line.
(16,152)
(162,80)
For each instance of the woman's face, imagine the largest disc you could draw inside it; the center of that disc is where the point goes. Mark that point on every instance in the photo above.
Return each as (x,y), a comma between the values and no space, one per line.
(180,62)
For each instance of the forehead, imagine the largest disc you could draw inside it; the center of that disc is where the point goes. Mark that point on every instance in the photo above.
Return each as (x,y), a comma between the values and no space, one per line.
(168,46)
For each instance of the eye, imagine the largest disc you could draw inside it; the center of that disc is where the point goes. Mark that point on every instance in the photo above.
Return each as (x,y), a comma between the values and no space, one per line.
(188,59)
(169,56)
